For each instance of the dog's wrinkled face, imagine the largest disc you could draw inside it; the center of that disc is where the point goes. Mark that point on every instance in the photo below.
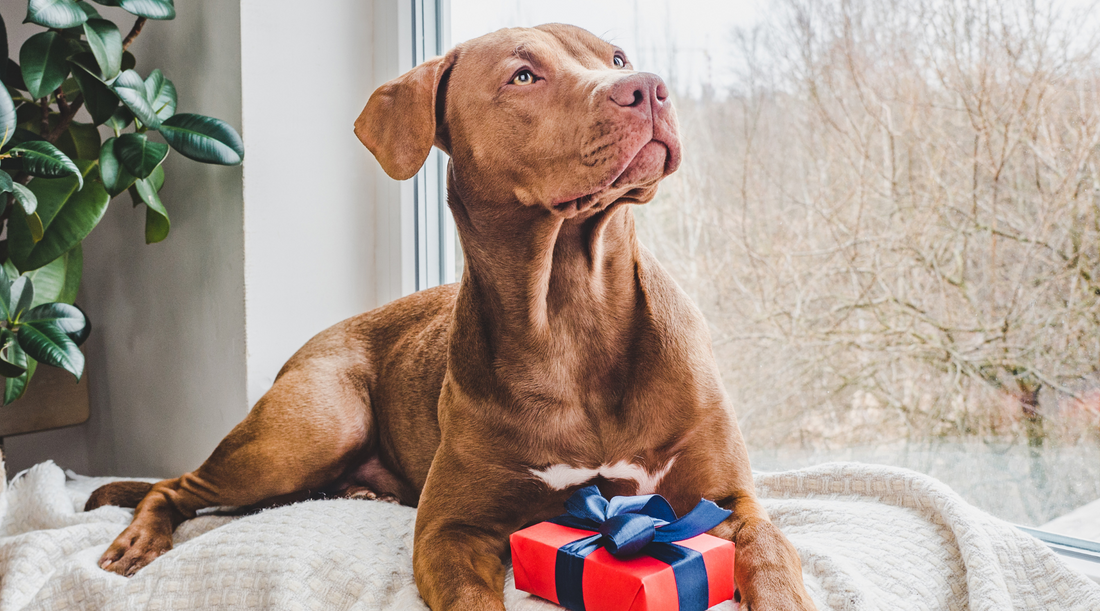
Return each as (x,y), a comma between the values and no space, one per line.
(550,116)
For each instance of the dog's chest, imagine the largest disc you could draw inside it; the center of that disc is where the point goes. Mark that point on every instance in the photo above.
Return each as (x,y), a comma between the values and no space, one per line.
(561,476)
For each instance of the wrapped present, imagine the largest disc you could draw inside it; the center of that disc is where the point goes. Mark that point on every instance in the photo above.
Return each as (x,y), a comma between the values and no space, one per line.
(628,554)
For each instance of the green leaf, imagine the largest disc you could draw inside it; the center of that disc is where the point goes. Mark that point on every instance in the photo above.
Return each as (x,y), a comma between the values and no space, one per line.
(7,116)
(115,177)
(34,225)
(66,317)
(151,9)
(6,183)
(204,139)
(77,44)
(79,337)
(120,119)
(68,213)
(157,224)
(52,281)
(128,60)
(131,90)
(74,272)
(40,158)
(89,10)
(140,155)
(156,179)
(15,387)
(13,360)
(161,94)
(25,198)
(58,280)
(106,42)
(3,42)
(47,343)
(58,14)
(43,62)
(21,136)
(99,98)
(22,295)
(80,141)
(13,76)
(5,290)
(70,88)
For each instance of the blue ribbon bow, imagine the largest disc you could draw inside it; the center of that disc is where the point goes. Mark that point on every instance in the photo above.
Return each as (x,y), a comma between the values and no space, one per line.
(629,525)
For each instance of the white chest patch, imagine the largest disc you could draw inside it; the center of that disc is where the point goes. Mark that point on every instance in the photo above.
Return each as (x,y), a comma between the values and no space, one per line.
(560,477)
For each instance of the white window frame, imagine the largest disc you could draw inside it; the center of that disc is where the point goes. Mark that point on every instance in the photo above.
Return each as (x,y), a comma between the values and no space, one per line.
(434,232)
(1081,554)
(427,240)
(415,234)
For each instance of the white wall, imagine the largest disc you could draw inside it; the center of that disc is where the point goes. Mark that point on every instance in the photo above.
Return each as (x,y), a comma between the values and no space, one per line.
(190,332)
(309,184)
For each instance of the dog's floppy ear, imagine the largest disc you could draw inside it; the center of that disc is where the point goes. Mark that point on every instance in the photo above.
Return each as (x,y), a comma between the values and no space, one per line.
(398,124)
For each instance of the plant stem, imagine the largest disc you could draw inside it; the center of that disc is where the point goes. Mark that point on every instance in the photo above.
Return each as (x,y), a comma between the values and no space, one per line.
(134,31)
(68,111)
(62,104)
(45,104)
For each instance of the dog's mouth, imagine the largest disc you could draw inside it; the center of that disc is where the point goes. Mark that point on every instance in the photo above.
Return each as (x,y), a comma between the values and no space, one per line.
(652,162)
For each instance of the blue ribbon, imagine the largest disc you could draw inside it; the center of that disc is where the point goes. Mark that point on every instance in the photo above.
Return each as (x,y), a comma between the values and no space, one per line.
(631,525)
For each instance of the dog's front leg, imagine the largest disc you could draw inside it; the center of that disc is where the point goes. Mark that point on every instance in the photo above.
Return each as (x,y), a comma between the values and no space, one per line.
(767,567)
(466,513)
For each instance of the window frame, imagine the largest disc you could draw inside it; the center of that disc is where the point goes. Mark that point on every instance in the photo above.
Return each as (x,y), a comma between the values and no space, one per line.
(433,236)
(1080,554)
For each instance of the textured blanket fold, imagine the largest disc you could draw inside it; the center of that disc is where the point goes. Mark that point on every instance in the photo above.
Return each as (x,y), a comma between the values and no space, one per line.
(870,537)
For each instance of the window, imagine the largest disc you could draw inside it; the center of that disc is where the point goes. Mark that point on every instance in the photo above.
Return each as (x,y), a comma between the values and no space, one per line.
(438,259)
(890,217)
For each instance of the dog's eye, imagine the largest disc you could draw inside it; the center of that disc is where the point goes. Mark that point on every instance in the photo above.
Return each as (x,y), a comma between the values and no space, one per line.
(524,78)
(619,61)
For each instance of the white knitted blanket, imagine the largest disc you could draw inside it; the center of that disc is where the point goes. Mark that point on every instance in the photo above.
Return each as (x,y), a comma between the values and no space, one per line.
(871,538)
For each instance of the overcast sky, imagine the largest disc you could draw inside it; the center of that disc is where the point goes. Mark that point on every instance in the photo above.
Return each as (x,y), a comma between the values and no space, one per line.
(699,31)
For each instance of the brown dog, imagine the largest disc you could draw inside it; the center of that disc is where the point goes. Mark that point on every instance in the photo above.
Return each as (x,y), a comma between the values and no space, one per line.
(566,356)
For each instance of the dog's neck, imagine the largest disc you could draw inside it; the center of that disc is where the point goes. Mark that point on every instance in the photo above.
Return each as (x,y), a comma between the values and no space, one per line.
(558,289)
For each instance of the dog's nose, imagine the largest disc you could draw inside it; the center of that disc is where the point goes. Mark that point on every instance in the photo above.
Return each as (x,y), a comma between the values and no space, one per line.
(640,90)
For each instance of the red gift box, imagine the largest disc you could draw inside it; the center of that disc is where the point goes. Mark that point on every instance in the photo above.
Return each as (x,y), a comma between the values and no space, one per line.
(639,583)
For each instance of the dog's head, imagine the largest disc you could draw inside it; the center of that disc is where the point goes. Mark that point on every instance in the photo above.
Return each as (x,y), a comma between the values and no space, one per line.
(549,116)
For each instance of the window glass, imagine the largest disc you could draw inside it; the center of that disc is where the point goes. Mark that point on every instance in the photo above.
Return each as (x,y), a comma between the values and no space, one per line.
(890,214)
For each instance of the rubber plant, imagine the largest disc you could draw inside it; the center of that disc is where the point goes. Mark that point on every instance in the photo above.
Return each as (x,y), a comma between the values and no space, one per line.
(60,167)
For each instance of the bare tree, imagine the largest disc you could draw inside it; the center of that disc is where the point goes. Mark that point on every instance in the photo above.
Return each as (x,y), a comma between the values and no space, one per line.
(893,224)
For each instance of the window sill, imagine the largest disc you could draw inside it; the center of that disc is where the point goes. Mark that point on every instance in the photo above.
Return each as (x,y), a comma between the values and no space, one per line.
(1079,554)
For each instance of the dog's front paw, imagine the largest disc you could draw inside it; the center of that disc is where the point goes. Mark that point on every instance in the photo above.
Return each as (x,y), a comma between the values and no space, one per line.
(769,570)
(134,549)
